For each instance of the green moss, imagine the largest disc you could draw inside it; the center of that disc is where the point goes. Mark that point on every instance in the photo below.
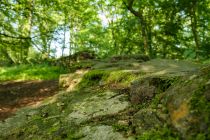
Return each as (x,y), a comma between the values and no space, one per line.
(122,77)
(198,101)
(47,123)
(163,83)
(164,133)
(81,65)
(156,100)
(93,78)
(200,106)
(200,136)
(132,56)
(118,127)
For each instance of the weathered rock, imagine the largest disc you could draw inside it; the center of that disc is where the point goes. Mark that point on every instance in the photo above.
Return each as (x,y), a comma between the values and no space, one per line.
(142,90)
(68,82)
(142,93)
(146,88)
(101,108)
(187,107)
(102,104)
(145,120)
(139,57)
(207,91)
(83,55)
(101,132)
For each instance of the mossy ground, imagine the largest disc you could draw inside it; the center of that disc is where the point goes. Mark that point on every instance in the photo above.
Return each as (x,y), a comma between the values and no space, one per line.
(109,81)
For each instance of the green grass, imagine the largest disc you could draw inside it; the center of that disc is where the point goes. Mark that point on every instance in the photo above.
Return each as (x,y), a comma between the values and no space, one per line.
(30,72)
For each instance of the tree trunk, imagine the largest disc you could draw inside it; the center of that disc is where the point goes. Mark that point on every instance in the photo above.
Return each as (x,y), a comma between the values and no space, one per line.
(144,27)
(194,27)
(28,29)
(114,39)
(144,34)
(64,36)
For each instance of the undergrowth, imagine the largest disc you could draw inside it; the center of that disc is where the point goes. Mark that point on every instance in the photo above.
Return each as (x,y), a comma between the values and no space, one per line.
(30,72)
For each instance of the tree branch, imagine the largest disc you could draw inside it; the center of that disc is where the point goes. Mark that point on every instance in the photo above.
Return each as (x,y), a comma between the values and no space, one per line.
(15,37)
(130,8)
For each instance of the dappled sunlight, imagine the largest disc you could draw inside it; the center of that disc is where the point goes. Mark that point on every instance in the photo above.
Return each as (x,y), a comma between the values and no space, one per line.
(30,72)
(173,66)
(69,82)
(82,71)
(162,72)
(104,69)
(161,66)
(100,104)
(2,70)
(131,97)
(135,64)
(14,95)
(147,68)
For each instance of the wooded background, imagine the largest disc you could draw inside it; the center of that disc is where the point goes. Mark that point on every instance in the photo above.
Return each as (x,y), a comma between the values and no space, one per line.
(33,30)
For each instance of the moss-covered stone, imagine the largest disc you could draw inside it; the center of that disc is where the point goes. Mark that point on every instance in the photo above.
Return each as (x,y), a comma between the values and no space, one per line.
(122,78)
(145,89)
(188,108)
(101,104)
(69,82)
(93,78)
(101,132)
(200,106)
(146,119)
(164,132)
(170,101)
(139,57)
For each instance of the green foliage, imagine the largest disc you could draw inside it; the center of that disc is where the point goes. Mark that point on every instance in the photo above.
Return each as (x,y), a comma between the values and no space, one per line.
(190,54)
(30,72)
(109,28)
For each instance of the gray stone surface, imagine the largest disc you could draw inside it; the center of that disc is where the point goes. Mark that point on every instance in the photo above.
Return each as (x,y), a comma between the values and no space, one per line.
(102,104)
(101,132)
(146,119)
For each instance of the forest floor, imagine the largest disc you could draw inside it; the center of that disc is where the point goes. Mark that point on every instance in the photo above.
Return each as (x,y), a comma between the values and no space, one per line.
(14,95)
(124,99)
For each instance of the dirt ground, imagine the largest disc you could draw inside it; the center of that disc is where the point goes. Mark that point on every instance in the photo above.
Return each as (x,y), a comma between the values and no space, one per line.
(14,95)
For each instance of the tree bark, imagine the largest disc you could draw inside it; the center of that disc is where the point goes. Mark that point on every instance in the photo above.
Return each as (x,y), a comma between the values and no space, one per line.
(194,27)
(144,27)
(28,29)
